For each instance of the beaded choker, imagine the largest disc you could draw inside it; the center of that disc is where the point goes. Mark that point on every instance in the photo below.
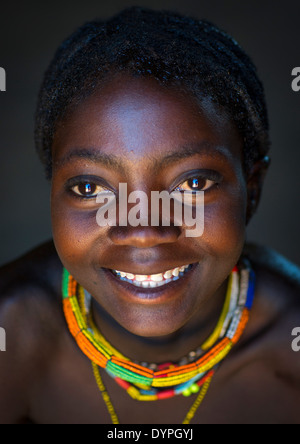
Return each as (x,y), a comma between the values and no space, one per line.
(150,382)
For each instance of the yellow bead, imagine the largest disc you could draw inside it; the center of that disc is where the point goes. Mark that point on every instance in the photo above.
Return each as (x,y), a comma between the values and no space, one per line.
(186,392)
(195,388)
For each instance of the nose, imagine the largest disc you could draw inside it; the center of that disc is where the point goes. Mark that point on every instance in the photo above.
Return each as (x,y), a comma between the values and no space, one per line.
(144,237)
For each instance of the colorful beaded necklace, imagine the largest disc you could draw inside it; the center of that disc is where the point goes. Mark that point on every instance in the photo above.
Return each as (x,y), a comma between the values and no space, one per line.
(142,382)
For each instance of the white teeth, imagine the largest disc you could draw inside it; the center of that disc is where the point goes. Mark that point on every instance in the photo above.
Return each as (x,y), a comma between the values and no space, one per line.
(157,277)
(175,272)
(153,280)
(153,284)
(168,274)
(141,277)
(130,276)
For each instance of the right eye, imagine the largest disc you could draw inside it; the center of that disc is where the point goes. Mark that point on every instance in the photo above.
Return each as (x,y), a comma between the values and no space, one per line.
(195,184)
(87,189)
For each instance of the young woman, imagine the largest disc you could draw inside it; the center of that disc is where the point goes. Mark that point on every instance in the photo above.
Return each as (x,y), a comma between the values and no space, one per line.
(144,324)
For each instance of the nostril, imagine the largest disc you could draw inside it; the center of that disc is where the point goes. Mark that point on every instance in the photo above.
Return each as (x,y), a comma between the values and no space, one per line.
(144,237)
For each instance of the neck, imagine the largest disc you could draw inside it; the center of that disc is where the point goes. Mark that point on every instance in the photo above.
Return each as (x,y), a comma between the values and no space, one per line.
(169,348)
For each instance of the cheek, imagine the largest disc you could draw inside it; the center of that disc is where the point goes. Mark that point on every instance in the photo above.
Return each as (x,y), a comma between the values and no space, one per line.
(74,233)
(225,224)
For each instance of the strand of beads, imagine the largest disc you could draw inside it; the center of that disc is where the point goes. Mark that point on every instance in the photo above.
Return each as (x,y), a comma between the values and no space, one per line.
(144,393)
(118,366)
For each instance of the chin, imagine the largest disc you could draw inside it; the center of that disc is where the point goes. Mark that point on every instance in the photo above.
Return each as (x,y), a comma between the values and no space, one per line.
(145,331)
(159,322)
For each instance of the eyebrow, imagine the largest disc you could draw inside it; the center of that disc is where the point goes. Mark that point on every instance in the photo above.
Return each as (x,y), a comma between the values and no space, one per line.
(191,149)
(108,160)
(114,162)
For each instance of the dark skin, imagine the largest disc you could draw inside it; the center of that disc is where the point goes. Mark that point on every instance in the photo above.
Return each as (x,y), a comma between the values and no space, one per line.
(159,138)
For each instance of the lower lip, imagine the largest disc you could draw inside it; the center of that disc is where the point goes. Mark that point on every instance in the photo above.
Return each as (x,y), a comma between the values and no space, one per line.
(150,295)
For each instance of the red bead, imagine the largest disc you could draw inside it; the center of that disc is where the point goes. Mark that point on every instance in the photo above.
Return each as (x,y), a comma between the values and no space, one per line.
(164,366)
(166,394)
(124,384)
(161,376)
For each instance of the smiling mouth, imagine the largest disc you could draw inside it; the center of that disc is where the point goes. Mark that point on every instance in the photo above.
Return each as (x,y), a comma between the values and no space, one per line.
(153,280)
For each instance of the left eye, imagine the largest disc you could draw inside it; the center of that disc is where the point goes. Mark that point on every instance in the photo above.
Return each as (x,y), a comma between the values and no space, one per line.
(87,189)
(195,184)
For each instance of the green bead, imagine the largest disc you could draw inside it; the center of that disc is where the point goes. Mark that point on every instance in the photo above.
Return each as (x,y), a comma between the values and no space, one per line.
(186,392)
(195,388)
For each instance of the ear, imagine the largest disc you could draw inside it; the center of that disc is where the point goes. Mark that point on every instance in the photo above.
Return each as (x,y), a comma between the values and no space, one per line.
(255,181)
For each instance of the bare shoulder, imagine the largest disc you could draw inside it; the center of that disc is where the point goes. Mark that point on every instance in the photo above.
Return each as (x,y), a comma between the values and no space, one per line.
(278,281)
(276,264)
(276,312)
(31,285)
(31,318)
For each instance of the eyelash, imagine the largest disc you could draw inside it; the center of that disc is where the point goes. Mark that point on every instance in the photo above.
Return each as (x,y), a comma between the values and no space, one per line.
(195,181)
(92,182)
(197,176)
(210,176)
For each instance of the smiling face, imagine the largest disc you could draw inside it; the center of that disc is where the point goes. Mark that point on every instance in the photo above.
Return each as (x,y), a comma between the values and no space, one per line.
(136,132)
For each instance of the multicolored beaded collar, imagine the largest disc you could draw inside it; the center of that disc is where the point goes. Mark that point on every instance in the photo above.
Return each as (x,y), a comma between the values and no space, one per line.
(142,382)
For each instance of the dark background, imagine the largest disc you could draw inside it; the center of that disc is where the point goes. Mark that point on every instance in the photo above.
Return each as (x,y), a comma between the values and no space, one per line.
(30,32)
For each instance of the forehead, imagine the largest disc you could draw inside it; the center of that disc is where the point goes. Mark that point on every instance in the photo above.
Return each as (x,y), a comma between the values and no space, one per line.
(139,118)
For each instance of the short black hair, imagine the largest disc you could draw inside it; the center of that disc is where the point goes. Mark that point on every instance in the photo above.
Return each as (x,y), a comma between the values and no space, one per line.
(172,48)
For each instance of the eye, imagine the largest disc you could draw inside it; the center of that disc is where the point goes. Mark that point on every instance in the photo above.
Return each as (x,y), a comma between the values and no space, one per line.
(196,183)
(85,189)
